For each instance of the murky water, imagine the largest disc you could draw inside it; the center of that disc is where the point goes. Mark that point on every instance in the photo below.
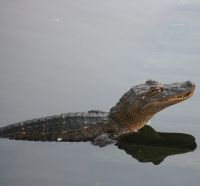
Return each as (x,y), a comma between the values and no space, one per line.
(64,56)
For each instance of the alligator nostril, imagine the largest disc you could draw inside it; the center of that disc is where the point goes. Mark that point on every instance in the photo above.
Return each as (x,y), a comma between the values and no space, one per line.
(190,83)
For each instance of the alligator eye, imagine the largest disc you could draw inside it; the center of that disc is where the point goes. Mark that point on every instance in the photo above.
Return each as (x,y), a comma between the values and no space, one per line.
(154,90)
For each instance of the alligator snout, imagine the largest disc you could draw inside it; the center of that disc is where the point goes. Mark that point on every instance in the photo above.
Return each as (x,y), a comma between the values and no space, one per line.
(189,84)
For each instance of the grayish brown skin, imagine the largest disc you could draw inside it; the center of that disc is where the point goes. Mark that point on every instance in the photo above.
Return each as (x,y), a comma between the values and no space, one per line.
(132,112)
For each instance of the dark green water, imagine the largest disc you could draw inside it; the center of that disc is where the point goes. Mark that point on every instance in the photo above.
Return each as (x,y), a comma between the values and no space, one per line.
(67,56)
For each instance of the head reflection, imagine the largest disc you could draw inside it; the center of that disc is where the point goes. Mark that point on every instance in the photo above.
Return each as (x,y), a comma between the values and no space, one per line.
(150,146)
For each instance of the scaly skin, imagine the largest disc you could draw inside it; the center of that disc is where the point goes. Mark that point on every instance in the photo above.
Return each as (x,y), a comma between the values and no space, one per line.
(132,112)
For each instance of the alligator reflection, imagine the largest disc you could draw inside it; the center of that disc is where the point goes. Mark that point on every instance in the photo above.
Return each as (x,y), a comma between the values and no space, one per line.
(151,146)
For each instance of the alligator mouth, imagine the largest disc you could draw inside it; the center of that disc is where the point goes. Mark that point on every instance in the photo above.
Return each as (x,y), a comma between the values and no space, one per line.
(153,107)
(185,96)
(178,98)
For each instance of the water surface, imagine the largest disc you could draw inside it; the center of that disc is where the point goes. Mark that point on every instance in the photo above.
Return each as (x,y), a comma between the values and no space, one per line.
(64,56)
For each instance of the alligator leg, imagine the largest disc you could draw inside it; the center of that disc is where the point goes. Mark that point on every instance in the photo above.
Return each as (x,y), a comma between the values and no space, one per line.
(103,140)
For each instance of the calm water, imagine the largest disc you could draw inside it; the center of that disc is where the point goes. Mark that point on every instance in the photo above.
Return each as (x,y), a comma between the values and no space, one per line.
(65,55)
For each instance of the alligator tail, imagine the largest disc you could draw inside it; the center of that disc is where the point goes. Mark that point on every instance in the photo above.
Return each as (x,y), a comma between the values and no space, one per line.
(32,130)
(11,131)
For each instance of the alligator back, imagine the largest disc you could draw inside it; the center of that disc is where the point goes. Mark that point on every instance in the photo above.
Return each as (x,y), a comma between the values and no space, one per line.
(80,126)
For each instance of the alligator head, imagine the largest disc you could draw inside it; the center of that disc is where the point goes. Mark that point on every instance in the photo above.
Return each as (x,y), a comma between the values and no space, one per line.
(143,101)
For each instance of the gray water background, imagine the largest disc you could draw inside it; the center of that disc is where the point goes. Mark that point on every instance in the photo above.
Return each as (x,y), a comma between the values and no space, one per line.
(68,56)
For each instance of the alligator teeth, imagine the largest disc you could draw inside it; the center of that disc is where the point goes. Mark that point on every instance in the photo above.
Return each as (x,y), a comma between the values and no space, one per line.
(177,98)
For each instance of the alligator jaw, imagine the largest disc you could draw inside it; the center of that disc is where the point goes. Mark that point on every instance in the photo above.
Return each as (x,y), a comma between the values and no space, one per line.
(171,94)
(178,98)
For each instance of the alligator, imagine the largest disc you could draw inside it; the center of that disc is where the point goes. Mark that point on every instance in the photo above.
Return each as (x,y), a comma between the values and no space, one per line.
(133,111)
